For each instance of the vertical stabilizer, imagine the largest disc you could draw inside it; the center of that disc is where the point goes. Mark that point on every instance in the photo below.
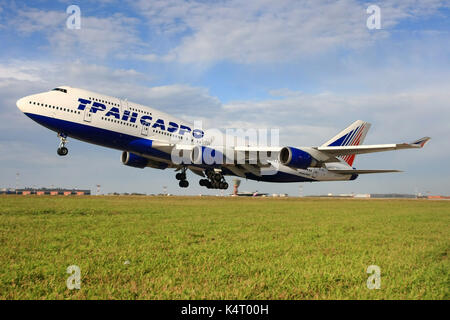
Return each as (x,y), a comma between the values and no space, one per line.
(353,135)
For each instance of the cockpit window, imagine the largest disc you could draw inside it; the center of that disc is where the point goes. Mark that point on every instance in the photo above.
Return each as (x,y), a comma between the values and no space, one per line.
(60,89)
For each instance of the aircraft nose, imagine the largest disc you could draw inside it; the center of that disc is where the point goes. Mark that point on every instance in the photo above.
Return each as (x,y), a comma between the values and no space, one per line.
(21,103)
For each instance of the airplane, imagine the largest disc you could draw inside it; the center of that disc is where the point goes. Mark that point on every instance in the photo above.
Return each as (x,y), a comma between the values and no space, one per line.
(150,138)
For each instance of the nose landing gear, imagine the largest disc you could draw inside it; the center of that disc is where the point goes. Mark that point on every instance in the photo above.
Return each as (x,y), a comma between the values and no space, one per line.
(181,176)
(62,150)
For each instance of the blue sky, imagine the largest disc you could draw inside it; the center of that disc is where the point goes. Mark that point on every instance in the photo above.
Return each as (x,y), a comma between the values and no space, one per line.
(309,68)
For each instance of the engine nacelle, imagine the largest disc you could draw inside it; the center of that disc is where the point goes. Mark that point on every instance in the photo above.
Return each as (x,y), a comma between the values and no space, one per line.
(136,161)
(296,158)
(133,160)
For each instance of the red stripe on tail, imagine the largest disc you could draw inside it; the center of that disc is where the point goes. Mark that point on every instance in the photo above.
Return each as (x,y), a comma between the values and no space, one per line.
(355,142)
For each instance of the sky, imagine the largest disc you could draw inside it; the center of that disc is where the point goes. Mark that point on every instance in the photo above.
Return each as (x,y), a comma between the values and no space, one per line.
(307,68)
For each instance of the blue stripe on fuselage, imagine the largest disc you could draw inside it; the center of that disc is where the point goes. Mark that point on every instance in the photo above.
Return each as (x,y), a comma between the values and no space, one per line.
(99,136)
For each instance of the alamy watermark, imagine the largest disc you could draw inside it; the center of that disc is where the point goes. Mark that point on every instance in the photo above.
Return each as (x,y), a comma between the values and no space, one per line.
(74,280)
(73,22)
(374,280)
(374,20)
(250,146)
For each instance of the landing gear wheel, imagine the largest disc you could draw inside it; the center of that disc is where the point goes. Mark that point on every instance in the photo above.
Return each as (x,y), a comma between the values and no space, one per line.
(215,180)
(180,176)
(63,151)
(183,184)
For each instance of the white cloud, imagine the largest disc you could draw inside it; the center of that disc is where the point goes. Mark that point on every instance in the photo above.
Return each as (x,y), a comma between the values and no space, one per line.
(394,11)
(424,106)
(270,31)
(97,37)
(31,20)
(18,72)
(19,78)
(303,118)
(203,33)
(183,99)
(408,114)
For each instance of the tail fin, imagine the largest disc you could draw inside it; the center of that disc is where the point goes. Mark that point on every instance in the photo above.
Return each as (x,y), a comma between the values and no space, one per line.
(353,135)
(421,142)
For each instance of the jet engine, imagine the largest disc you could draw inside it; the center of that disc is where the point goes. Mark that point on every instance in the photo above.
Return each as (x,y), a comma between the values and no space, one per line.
(133,160)
(296,158)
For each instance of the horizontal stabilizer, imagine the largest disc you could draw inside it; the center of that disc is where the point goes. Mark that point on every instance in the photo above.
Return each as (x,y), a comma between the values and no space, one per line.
(346,150)
(361,171)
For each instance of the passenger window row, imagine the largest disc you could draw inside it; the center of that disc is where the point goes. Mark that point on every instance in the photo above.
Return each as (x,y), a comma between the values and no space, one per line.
(172,135)
(111,120)
(104,101)
(141,111)
(120,122)
(54,107)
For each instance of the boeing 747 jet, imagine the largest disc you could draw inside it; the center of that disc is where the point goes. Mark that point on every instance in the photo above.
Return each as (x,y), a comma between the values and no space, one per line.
(151,138)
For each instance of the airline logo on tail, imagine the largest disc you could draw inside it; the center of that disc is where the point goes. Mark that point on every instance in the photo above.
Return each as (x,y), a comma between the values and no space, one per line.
(421,142)
(353,135)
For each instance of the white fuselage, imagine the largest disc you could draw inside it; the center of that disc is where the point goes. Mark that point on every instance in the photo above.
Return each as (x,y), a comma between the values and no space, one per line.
(131,127)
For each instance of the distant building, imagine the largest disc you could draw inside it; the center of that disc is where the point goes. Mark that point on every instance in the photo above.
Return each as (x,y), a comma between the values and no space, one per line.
(362,195)
(439,197)
(392,195)
(279,195)
(45,191)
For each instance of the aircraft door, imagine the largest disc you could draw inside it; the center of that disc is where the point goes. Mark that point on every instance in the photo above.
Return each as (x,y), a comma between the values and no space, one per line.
(124,109)
(144,130)
(123,105)
(87,114)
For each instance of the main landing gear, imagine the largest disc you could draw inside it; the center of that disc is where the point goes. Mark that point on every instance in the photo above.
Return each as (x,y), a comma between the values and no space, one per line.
(182,177)
(215,181)
(62,150)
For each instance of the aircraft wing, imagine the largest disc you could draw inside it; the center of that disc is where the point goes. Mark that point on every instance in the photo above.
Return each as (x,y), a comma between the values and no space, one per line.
(349,150)
(323,153)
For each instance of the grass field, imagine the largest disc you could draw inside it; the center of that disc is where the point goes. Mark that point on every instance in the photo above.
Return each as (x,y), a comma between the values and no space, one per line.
(223,248)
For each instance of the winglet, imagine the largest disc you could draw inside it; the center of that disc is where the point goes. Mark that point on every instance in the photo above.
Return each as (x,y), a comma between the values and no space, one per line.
(421,142)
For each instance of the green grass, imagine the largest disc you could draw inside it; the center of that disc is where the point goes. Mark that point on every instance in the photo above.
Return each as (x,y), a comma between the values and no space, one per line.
(222,248)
